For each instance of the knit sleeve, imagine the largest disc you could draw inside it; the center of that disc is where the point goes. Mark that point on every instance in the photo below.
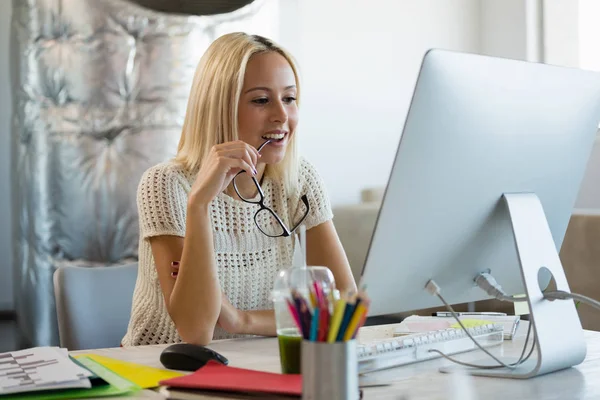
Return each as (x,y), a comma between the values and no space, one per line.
(312,185)
(161,201)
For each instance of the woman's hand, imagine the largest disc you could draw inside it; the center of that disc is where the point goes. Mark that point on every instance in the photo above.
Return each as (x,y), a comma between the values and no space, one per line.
(220,167)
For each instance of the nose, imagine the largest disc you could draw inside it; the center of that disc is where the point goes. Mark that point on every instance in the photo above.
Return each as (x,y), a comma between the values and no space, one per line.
(278,112)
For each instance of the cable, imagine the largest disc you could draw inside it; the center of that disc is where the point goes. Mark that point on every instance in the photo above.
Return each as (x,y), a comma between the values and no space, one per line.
(487,282)
(434,289)
(520,361)
(562,295)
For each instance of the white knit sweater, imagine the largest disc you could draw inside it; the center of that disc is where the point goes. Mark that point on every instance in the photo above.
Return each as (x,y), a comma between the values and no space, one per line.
(247,260)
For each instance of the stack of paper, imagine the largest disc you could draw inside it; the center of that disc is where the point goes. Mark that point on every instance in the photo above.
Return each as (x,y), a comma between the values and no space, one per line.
(49,373)
(40,368)
(416,324)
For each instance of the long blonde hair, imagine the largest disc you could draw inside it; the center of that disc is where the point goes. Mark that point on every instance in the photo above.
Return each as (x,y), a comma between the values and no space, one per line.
(212,111)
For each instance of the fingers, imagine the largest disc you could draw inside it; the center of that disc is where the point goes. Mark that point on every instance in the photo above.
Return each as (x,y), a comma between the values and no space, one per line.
(251,158)
(237,164)
(244,155)
(175,269)
(239,149)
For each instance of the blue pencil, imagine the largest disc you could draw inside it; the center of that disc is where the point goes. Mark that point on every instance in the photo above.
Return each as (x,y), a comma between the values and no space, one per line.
(348,311)
(314,327)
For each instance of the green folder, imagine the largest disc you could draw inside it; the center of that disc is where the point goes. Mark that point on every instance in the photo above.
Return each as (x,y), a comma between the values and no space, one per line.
(115,385)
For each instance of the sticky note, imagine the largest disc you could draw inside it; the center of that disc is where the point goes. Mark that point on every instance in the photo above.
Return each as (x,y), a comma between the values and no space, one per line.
(521,307)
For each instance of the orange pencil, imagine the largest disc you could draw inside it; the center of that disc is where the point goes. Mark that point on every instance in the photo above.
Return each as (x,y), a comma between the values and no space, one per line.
(363,319)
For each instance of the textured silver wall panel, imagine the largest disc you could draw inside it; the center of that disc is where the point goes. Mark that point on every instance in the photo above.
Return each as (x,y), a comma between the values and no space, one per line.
(100,90)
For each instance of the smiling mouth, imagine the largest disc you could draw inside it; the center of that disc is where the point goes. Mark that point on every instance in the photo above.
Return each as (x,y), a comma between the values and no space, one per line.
(275,137)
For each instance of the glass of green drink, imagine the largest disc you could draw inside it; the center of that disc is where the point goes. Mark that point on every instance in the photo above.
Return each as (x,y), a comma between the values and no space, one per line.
(288,333)
(299,280)
(290,342)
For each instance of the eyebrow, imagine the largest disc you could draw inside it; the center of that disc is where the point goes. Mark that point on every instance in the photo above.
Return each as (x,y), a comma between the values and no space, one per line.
(266,89)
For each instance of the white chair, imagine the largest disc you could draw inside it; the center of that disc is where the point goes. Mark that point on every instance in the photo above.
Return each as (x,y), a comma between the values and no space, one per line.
(93,305)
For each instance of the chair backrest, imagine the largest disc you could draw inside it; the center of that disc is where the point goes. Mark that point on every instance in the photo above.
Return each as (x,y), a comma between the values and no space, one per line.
(93,305)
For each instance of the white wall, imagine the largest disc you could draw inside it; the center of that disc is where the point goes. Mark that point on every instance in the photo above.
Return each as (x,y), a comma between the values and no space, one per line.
(561,32)
(589,58)
(570,33)
(6,270)
(503,28)
(589,34)
(359,61)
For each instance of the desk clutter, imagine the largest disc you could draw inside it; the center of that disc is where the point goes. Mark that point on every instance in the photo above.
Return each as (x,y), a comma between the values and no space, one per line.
(42,368)
(321,318)
(316,329)
(46,373)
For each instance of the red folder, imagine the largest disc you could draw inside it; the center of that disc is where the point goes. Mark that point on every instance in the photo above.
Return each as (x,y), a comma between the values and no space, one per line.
(216,376)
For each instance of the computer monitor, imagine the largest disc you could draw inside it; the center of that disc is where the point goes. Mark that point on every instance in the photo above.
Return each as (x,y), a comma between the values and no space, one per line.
(479,128)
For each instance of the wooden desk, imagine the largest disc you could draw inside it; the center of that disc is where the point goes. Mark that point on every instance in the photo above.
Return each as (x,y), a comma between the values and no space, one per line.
(410,382)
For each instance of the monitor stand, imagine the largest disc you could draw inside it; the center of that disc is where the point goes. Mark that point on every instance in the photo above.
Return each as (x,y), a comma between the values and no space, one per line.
(557,329)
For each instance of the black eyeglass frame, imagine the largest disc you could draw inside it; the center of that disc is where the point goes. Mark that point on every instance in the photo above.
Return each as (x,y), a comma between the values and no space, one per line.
(261,202)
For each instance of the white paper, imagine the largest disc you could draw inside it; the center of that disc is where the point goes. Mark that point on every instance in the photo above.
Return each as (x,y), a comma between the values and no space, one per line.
(40,368)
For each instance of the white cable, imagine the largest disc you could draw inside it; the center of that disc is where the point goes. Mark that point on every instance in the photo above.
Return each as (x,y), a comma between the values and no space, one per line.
(562,295)
(434,289)
(520,361)
(487,283)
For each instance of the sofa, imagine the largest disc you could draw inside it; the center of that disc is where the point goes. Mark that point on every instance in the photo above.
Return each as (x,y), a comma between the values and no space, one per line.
(580,255)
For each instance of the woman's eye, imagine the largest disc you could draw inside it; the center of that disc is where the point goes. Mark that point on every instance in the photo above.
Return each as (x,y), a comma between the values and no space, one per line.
(261,101)
(289,99)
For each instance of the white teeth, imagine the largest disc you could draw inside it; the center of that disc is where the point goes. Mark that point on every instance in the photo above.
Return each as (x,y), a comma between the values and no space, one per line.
(274,136)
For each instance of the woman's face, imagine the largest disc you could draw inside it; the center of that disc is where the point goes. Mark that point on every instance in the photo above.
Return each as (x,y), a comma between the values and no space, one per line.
(267,108)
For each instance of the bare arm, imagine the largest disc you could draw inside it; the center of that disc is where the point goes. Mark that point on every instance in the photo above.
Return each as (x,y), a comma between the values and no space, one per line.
(323,248)
(194,308)
(194,300)
(252,322)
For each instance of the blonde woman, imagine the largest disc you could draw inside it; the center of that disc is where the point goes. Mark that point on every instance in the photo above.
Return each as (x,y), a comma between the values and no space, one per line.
(197,212)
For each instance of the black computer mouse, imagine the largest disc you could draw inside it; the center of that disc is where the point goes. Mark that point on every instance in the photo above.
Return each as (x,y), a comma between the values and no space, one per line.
(189,357)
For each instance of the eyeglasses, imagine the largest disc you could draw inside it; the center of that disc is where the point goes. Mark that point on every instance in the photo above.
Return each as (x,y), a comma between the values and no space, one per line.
(267,220)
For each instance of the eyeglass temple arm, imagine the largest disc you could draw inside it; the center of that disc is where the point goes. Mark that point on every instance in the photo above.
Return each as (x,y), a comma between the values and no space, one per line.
(264,144)
(305,201)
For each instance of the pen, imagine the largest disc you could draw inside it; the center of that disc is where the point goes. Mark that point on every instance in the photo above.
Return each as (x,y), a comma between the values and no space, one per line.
(462,314)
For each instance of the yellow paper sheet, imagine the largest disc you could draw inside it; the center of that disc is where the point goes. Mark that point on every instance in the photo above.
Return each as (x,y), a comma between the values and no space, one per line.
(470,323)
(146,377)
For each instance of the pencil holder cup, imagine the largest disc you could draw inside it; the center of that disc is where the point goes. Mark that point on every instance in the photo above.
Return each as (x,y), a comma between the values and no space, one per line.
(289,335)
(329,370)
